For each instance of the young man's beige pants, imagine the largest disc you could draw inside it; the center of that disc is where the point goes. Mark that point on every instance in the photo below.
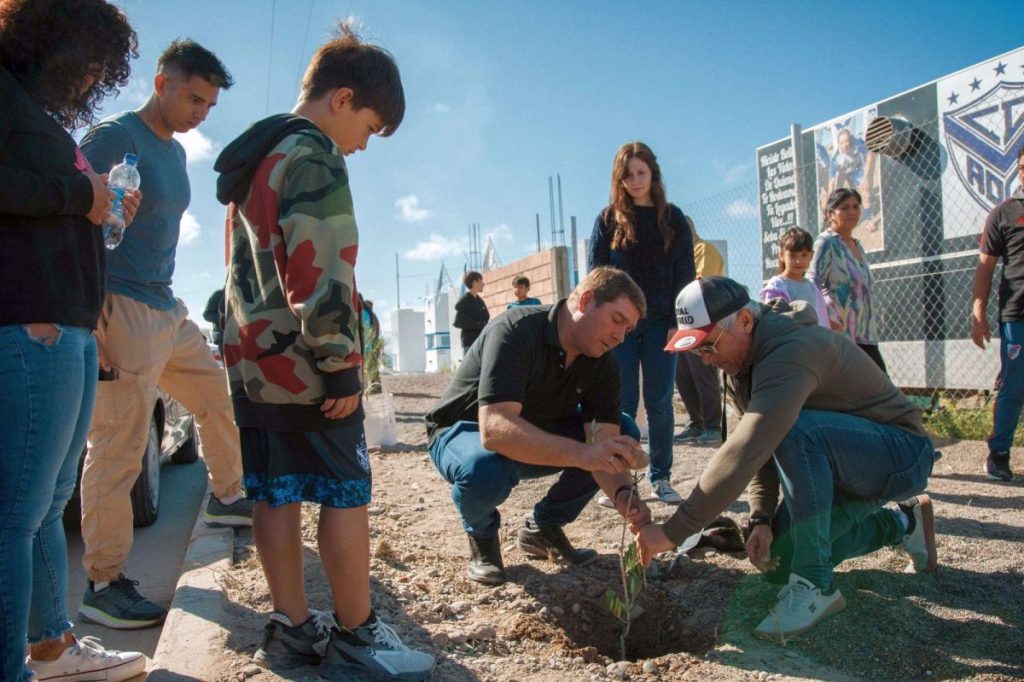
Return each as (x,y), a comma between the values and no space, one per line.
(149,348)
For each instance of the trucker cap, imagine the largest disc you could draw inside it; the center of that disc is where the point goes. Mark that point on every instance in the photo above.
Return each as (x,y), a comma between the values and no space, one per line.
(699,307)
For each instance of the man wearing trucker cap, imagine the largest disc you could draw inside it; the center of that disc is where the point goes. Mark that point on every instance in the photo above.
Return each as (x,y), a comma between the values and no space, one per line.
(819,420)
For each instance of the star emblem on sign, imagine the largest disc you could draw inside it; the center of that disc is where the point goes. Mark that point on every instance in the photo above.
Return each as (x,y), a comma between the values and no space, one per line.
(975,85)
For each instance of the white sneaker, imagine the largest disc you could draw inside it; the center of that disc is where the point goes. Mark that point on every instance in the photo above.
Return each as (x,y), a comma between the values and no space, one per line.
(664,491)
(920,544)
(801,605)
(605,501)
(373,652)
(87,661)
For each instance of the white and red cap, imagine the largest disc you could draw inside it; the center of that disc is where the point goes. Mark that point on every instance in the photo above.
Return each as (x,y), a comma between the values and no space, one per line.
(700,306)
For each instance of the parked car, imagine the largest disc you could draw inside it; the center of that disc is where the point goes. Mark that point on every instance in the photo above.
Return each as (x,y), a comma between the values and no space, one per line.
(172,438)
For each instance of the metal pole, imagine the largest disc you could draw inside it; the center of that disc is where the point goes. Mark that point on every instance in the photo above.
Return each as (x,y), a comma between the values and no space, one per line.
(561,215)
(398,288)
(538,231)
(551,203)
(798,176)
(575,256)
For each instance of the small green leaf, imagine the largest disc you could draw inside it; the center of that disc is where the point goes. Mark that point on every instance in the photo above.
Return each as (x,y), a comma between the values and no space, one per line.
(616,606)
(635,582)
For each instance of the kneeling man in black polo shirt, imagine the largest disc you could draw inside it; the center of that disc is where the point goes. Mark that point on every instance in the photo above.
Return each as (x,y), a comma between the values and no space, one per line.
(522,405)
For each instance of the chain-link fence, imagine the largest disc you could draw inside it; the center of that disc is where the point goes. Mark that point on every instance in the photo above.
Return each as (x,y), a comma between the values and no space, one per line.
(928,181)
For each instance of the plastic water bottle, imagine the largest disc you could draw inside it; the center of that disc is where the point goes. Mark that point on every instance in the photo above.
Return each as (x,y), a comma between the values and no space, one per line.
(123,177)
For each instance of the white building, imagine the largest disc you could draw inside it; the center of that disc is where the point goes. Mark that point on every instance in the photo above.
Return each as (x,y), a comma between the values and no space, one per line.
(437,332)
(407,331)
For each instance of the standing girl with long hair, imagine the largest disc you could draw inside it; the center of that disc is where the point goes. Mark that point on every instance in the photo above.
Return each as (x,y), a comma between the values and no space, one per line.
(641,233)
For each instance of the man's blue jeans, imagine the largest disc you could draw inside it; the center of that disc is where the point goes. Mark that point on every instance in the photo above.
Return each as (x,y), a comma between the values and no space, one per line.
(644,348)
(481,479)
(836,471)
(47,389)
(1010,397)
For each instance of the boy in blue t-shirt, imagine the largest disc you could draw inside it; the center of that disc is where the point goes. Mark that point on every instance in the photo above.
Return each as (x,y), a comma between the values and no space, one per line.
(521,287)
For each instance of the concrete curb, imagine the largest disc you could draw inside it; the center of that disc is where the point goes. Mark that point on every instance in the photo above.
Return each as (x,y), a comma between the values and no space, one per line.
(192,640)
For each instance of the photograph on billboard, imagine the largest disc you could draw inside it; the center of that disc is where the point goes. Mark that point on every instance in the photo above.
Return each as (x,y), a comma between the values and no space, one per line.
(981,119)
(842,159)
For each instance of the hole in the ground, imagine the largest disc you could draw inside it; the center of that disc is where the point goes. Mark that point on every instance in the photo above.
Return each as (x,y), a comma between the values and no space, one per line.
(663,628)
(680,614)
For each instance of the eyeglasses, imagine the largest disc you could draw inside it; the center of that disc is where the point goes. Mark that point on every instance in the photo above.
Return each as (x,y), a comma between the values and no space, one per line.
(709,348)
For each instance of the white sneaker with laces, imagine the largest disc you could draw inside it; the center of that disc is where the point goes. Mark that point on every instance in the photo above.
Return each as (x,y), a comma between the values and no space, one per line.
(373,652)
(665,492)
(605,501)
(920,544)
(87,661)
(801,605)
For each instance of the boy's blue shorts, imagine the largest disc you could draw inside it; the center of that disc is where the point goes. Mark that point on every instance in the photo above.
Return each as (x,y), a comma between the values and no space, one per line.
(331,468)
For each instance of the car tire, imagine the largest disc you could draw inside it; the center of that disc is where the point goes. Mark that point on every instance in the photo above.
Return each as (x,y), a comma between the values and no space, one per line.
(188,453)
(146,491)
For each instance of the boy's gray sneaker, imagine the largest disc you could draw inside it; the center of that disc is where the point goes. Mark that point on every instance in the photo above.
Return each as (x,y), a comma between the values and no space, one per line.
(238,514)
(286,646)
(688,435)
(373,652)
(710,437)
(120,606)
(664,491)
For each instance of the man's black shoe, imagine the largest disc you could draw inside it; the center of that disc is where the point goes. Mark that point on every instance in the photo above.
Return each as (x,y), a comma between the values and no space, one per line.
(549,542)
(997,467)
(485,565)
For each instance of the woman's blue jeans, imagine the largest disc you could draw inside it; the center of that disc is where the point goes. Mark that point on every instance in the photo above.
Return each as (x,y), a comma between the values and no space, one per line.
(47,387)
(836,471)
(1010,397)
(481,479)
(644,347)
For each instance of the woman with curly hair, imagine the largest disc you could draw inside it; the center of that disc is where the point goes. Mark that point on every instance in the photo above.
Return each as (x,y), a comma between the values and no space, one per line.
(58,59)
(641,233)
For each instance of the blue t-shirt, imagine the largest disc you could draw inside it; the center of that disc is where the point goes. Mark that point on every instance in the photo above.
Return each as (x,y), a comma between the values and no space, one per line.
(529,300)
(143,265)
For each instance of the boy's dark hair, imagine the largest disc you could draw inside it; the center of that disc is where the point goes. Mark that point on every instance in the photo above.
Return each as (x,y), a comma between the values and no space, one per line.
(192,59)
(368,70)
(608,284)
(521,279)
(794,239)
(1020,153)
(49,46)
(471,278)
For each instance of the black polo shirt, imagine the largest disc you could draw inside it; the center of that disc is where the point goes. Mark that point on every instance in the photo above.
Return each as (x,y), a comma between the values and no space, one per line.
(518,359)
(1004,237)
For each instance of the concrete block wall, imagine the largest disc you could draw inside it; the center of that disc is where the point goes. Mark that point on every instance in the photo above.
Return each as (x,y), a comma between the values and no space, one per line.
(548,272)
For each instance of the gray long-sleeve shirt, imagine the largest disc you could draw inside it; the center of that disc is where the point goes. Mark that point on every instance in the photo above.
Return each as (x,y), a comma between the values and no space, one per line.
(793,364)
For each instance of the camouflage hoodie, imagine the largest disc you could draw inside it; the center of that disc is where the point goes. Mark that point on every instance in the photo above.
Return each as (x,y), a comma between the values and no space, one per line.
(292,334)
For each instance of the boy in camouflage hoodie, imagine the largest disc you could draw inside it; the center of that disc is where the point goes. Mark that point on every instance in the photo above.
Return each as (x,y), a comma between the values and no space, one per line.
(293,352)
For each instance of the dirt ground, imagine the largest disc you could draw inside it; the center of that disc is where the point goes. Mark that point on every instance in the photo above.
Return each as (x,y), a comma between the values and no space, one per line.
(549,623)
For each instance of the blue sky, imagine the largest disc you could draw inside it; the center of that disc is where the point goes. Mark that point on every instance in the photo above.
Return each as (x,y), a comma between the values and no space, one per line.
(500,95)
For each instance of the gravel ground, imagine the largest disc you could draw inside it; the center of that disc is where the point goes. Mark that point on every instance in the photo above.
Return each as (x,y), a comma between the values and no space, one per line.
(549,622)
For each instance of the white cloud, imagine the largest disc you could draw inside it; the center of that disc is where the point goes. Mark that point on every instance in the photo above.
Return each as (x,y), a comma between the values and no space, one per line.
(741,208)
(440,108)
(189,229)
(734,174)
(198,147)
(500,234)
(437,247)
(409,209)
(135,93)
